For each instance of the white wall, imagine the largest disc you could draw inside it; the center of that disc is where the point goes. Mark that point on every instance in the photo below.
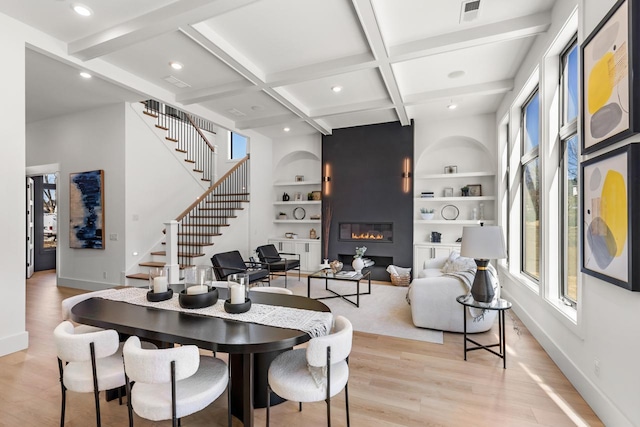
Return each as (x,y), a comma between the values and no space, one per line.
(90,140)
(13,335)
(609,319)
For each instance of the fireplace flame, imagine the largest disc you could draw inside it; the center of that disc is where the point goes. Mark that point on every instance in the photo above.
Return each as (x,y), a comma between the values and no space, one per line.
(367,236)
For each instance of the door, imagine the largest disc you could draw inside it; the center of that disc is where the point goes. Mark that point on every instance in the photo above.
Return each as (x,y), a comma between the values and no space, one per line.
(45,222)
(30,227)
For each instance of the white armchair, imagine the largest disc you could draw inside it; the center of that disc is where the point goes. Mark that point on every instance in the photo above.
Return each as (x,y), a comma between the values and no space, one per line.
(433,301)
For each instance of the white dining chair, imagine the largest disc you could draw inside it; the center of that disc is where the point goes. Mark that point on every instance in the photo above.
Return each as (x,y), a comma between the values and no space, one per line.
(67,304)
(171,383)
(87,362)
(271,290)
(316,373)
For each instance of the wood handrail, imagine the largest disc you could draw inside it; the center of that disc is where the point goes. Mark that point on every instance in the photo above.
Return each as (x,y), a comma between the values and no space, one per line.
(200,132)
(213,187)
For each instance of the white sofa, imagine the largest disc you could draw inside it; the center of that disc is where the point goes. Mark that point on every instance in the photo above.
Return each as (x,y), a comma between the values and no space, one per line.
(433,302)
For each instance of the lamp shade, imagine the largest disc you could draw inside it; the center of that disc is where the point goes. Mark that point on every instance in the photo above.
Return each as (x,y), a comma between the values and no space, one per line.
(483,242)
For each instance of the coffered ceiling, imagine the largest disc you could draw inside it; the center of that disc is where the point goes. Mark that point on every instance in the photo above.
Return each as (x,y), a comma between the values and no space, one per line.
(271,64)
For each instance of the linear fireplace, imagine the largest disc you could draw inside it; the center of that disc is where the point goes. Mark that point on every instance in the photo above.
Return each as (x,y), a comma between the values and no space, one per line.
(381,232)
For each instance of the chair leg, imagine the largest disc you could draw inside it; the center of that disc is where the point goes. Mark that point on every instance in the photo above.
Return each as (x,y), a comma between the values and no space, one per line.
(64,393)
(299,406)
(129,407)
(346,399)
(229,421)
(96,392)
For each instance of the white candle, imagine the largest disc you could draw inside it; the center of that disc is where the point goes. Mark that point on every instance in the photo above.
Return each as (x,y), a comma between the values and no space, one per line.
(237,293)
(160,284)
(196,290)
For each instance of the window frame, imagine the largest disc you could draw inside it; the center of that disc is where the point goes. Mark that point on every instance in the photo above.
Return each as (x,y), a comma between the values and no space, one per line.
(246,146)
(568,130)
(525,159)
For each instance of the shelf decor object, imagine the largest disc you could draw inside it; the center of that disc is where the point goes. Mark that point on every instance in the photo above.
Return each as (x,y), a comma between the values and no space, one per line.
(483,243)
(609,62)
(449,212)
(609,192)
(299,213)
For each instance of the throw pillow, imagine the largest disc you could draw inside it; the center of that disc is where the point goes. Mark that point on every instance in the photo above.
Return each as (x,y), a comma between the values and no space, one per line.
(460,264)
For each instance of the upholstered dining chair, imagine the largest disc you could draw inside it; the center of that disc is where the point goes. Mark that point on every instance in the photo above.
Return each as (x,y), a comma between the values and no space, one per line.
(277,263)
(172,383)
(316,373)
(88,362)
(271,290)
(67,304)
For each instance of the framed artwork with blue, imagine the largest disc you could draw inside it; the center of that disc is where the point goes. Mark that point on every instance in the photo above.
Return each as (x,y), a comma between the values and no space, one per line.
(610,217)
(86,210)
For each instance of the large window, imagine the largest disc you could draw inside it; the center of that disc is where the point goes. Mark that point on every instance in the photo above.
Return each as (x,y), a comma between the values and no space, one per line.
(238,146)
(530,180)
(569,164)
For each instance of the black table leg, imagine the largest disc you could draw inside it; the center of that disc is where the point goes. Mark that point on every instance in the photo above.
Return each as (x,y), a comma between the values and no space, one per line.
(465,332)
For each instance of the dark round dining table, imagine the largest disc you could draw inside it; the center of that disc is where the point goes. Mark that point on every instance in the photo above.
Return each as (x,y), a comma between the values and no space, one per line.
(251,347)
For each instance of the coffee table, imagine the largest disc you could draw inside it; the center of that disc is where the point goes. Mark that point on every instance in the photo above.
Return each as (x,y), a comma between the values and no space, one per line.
(328,275)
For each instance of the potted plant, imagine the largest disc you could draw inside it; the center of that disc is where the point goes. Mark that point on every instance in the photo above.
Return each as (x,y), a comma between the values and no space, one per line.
(427,213)
(282,215)
(465,191)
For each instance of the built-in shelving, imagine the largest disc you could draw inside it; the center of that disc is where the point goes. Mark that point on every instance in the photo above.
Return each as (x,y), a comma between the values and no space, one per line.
(294,183)
(455,175)
(454,199)
(296,221)
(293,202)
(454,221)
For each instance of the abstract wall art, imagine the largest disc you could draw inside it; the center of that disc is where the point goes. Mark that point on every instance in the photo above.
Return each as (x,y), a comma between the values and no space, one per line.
(86,210)
(608,92)
(610,189)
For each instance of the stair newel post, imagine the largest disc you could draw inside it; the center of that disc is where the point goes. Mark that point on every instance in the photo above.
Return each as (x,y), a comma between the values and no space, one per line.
(173,269)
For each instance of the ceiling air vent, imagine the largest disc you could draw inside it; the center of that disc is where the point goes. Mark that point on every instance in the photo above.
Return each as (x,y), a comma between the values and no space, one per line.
(469,11)
(176,82)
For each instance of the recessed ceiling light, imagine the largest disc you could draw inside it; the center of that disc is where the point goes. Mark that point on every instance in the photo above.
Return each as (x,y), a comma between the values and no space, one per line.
(452,106)
(286,129)
(456,74)
(81,9)
(175,65)
(85,75)
(336,89)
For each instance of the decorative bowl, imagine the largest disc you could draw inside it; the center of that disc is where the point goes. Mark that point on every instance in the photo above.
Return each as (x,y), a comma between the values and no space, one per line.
(159,296)
(198,300)
(237,308)
(336,266)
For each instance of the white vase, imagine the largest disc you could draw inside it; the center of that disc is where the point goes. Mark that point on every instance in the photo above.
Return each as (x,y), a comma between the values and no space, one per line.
(427,216)
(358,265)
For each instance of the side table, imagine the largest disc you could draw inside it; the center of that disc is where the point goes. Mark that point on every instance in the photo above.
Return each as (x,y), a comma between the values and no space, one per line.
(500,305)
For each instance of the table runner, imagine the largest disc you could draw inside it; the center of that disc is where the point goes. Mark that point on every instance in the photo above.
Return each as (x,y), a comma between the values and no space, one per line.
(314,323)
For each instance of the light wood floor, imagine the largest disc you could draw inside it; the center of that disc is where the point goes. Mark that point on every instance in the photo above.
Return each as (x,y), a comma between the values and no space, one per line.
(393,382)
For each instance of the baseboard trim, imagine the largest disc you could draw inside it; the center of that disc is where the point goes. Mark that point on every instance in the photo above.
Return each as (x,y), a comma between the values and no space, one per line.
(83,284)
(604,408)
(14,343)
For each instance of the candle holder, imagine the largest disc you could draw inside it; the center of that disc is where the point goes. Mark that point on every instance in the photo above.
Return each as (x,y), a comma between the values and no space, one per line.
(237,308)
(159,296)
(201,300)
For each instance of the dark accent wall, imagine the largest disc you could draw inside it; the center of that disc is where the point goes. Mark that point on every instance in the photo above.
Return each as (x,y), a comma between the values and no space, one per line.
(366,185)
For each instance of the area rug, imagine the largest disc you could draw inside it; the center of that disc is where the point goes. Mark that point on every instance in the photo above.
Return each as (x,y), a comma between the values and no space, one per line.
(384,312)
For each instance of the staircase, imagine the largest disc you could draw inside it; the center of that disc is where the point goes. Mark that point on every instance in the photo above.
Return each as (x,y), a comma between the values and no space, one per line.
(209,215)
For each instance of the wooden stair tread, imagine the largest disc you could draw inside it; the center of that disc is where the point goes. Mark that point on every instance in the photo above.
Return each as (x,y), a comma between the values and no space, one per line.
(180,150)
(221,209)
(213,216)
(149,114)
(205,225)
(230,194)
(168,138)
(160,264)
(189,160)
(140,276)
(195,244)
(229,201)
(182,254)
(162,127)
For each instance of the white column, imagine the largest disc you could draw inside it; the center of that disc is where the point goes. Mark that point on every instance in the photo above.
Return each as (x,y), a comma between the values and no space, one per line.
(173,269)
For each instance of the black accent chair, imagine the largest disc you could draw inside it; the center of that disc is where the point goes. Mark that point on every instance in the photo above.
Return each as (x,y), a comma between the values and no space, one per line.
(227,263)
(277,264)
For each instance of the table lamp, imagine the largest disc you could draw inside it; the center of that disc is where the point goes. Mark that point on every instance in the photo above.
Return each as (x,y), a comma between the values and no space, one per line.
(483,243)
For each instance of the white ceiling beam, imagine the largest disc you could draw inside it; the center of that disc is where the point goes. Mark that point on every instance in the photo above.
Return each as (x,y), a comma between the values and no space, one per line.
(381,104)
(526,26)
(320,70)
(369,23)
(209,40)
(281,119)
(482,89)
(216,92)
(160,21)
